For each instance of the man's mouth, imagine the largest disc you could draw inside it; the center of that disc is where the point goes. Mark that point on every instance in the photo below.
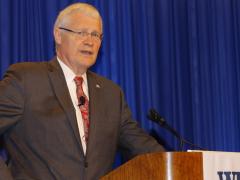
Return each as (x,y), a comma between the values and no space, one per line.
(85,52)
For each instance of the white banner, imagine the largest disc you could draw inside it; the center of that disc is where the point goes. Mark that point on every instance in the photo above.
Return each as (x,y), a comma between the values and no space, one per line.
(221,165)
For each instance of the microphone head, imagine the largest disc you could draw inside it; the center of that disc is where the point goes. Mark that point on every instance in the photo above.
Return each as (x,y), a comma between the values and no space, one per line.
(155,117)
(81,100)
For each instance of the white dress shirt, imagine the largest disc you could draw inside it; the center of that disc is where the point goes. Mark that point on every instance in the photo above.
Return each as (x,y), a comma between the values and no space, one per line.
(69,77)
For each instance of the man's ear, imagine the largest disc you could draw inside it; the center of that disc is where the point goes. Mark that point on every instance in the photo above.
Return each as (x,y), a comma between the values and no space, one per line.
(57,36)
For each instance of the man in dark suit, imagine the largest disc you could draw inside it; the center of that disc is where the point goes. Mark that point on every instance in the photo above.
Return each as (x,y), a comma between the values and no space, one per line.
(61,121)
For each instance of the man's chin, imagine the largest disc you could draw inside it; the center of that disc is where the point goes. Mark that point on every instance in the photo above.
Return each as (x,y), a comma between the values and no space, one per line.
(87,64)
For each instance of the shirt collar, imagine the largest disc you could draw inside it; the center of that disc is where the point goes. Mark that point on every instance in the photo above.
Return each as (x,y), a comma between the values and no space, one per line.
(69,74)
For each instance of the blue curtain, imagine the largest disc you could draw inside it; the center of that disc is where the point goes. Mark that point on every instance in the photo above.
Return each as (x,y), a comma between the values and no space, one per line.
(181,57)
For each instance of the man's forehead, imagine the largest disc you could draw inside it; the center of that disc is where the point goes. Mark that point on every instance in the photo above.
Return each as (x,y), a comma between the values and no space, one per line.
(81,18)
(81,11)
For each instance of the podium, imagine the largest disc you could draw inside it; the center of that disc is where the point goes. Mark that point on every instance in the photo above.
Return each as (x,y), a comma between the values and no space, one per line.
(179,166)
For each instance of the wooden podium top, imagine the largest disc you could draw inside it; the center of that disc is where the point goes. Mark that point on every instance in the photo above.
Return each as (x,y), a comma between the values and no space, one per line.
(160,166)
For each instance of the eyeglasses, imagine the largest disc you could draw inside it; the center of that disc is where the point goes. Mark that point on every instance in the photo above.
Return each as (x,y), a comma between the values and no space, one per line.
(83,34)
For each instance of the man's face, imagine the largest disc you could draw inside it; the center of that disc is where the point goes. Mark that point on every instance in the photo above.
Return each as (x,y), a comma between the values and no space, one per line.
(76,51)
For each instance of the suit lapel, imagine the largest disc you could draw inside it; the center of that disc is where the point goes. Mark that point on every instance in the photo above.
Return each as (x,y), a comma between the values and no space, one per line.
(95,108)
(60,88)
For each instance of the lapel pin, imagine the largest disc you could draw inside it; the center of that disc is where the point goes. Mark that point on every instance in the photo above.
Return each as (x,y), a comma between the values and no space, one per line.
(97,86)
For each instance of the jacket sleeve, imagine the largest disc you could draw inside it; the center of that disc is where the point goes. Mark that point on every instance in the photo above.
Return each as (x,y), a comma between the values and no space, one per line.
(4,171)
(133,139)
(11,108)
(11,98)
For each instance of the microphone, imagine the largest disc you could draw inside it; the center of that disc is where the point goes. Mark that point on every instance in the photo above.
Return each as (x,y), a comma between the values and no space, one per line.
(81,101)
(155,117)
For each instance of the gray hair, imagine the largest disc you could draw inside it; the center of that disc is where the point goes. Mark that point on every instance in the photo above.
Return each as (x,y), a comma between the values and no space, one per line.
(84,8)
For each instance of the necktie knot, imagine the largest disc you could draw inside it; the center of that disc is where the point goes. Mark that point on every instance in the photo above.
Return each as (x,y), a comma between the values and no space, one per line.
(78,80)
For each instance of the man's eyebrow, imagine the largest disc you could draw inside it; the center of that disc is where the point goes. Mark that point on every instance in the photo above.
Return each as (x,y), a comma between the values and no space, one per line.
(87,30)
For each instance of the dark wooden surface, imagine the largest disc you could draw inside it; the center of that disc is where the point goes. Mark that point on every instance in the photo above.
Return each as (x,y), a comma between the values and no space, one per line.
(160,166)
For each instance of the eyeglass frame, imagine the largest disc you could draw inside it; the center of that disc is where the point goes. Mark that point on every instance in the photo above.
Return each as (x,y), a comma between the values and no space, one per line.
(84,34)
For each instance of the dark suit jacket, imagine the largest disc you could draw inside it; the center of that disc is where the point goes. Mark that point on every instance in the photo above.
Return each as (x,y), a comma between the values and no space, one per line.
(40,129)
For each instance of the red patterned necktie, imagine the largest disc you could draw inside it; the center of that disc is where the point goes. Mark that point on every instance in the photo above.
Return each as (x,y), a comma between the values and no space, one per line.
(83,105)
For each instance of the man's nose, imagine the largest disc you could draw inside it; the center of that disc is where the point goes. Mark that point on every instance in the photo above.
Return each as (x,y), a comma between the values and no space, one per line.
(88,40)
